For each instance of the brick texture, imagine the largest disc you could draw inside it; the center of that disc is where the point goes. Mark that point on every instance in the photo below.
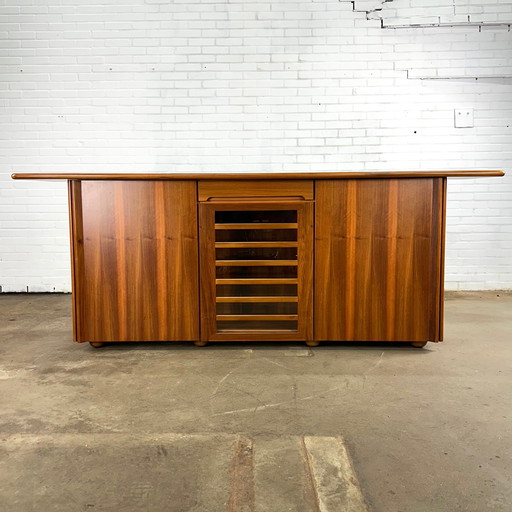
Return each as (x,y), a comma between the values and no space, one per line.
(212,85)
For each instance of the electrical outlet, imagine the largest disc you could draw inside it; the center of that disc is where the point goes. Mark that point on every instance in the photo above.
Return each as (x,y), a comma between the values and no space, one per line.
(464,118)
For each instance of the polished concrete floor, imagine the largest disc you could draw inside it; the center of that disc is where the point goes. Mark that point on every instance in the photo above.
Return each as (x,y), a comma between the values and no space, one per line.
(173,427)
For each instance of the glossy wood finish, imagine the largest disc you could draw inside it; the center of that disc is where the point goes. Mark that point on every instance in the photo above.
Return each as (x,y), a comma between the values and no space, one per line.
(260,176)
(241,225)
(209,263)
(378,259)
(379,256)
(223,189)
(77,254)
(135,261)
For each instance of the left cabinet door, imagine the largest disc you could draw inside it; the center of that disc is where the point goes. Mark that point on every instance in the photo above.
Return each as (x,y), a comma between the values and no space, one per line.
(135,260)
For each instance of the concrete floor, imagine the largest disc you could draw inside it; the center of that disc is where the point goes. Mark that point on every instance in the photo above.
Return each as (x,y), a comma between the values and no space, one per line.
(173,427)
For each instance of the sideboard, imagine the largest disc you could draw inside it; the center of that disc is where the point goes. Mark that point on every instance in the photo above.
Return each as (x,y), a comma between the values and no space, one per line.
(312,257)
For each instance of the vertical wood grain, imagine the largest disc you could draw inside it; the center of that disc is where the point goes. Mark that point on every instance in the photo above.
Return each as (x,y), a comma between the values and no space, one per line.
(377,260)
(305,218)
(76,243)
(137,271)
(207,271)
(439,206)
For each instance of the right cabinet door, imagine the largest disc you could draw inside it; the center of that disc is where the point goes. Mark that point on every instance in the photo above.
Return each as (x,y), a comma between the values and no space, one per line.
(379,259)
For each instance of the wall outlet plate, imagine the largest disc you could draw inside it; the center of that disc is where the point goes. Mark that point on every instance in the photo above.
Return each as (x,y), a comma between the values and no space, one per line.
(463,118)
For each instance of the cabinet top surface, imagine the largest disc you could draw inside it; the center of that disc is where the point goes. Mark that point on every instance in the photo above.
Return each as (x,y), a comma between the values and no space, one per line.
(259,176)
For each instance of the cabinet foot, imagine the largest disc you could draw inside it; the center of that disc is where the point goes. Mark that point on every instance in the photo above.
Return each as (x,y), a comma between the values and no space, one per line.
(312,343)
(200,343)
(418,344)
(96,344)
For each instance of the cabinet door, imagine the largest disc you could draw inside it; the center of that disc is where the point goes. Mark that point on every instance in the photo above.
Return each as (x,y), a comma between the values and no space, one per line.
(256,270)
(135,271)
(378,259)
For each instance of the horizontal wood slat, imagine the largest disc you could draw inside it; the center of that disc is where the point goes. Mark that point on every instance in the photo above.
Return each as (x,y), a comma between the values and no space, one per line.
(258,225)
(253,245)
(248,176)
(256,263)
(251,318)
(256,334)
(258,299)
(258,280)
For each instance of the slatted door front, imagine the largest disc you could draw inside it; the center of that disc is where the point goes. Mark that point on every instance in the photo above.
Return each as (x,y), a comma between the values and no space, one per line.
(256,270)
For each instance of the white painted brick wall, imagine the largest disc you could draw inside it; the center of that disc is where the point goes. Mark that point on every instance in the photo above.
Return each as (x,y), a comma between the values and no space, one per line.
(407,13)
(211,85)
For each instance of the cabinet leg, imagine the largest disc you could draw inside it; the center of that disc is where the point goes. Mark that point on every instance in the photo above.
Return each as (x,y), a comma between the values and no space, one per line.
(200,343)
(96,344)
(418,344)
(312,343)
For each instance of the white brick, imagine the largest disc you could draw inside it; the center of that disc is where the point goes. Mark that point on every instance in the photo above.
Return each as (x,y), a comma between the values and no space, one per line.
(241,86)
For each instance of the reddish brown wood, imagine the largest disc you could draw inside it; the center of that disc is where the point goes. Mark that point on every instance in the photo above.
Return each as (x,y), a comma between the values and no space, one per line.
(304,281)
(442,239)
(268,225)
(135,260)
(256,263)
(257,299)
(257,317)
(437,261)
(379,256)
(77,256)
(259,176)
(223,189)
(375,244)
(240,245)
(257,280)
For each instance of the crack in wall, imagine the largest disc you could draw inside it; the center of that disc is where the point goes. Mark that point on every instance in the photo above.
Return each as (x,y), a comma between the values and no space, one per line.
(375,10)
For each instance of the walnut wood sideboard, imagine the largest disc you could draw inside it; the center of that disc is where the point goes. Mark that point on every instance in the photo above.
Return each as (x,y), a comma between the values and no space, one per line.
(313,257)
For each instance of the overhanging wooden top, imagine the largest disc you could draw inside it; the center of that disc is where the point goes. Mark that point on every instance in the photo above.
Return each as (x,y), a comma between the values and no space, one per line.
(259,176)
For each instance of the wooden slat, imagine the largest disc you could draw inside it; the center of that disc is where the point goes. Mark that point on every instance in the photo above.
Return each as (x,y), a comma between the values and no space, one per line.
(258,225)
(256,335)
(255,189)
(256,263)
(251,318)
(248,176)
(207,271)
(77,254)
(258,299)
(258,280)
(255,245)
(250,334)
(305,270)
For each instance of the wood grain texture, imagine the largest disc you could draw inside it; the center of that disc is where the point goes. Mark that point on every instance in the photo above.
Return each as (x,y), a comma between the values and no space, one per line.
(441,249)
(278,298)
(256,263)
(209,280)
(300,189)
(77,257)
(378,259)
(259,176)
(266,225)
(257,317)
(253,245)
(135,261)
(258,280)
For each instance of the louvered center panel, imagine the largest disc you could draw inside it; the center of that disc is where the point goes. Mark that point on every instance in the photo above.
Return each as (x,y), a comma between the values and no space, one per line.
(258,257)
(256,276)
